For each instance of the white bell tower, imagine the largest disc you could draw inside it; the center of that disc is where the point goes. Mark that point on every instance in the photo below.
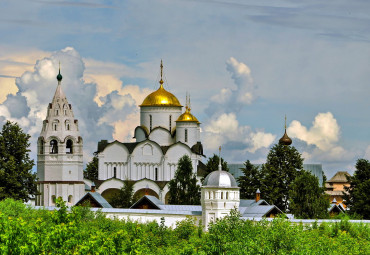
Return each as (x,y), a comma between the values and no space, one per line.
(220,194)
(60,154)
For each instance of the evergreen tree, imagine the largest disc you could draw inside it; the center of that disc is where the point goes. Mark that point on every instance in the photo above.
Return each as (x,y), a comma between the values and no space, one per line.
(212,165)
(184,189)
(307,197)
(280,170)
(125,196)
(250,181)
(16,178)
(357,195)
(91,171)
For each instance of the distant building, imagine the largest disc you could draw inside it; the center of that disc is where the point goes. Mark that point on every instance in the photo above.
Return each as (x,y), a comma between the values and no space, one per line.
(335,187)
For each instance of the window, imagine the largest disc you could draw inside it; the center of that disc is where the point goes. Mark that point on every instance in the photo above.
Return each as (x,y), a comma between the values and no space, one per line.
(156,174)
(69,146)
(53,199)
(186,135)
(170,123)
(41,146)
(55,126)
(114,172)
(53,146)
(70,199)
(56,112)
(67,126)
(150,122)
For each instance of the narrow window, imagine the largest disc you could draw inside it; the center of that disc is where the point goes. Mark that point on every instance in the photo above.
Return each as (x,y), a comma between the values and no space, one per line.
(156,174)
(55,126)
(70,199)
(67,126)
(222,195)
(170,123)
(65,112)
(69,146)
(41,147)
(114,172)
(150,122)
(54,146)
(53,199)
(227,195)
(186,135)
(56,112)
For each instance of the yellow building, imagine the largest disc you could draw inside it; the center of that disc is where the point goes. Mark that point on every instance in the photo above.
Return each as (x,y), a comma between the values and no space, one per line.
(335,186)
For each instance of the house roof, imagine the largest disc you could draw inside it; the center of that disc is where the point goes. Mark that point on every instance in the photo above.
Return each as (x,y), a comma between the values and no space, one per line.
(99,199)
(259,210)
(340,176)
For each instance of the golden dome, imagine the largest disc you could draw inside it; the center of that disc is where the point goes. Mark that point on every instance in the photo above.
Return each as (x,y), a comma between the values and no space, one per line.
(161,97)
(285,140)
(187,117)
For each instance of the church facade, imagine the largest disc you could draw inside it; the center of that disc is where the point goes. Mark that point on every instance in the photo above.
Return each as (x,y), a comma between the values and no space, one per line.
(165,134)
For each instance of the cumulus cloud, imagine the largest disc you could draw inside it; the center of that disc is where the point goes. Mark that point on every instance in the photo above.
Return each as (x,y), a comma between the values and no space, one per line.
(226,130)
(101,113)
(234,98)
(223,127)
(324,135)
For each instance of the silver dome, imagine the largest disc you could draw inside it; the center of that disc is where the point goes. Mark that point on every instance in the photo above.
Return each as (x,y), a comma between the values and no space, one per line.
(220,179)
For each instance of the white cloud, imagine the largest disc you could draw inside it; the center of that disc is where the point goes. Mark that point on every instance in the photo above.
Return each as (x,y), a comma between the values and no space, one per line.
(324,134)
(225,130)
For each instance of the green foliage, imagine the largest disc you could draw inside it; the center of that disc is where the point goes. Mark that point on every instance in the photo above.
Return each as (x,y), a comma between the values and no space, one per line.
(357,197)
(277,174)
(307,199)
(16,178)
(183,188)
(250,181)
(125,196)
(91,171)
(80,231)
(212,165)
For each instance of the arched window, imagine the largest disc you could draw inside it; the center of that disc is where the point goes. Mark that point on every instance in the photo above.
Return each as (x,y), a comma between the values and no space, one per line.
(53,199)
(156,174)
(41,146)
(70,199)
(55,125)
(170,123)
(150,122)
(56,112)
(114,172)
(69,146)
(67,126)
(186,135)
(53,146)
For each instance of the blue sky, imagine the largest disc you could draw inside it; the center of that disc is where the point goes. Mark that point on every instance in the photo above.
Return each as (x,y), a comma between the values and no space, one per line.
(245,64)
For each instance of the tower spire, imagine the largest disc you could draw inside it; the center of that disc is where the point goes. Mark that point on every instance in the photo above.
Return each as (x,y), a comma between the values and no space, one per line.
(161,81)
(285,140)
(219,159)
(59,76)
(285,122)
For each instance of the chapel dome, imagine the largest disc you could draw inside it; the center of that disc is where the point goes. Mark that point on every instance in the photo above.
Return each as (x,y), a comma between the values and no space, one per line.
(187,117)
(285,140)
(220,178)
(161,97)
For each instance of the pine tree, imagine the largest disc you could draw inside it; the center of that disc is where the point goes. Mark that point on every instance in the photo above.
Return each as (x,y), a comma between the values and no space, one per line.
(250,181)
(16,178)
(212,165)
(125,196)
(91,171)
(280,170)
(307,197)
(184,189)
(357,195)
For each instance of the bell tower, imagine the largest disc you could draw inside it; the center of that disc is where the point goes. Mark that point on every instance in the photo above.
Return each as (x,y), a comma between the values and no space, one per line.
(59,153)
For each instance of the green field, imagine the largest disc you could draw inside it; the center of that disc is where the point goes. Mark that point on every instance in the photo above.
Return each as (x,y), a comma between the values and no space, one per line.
(24,230)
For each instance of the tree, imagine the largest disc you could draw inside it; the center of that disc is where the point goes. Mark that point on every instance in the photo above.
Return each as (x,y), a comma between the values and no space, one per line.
(307,197)
(212,165)
(357,195)
(91,171)
(184,189)
(250,181)
(125,196)
(281,168)
(16,178)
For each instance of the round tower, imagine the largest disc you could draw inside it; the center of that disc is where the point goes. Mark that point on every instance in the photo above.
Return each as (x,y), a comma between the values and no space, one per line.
(159,109)
(187,127)
(220,194)
(60,153)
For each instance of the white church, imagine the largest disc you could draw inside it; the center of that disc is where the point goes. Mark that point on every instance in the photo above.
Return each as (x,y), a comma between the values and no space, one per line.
(164,135)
